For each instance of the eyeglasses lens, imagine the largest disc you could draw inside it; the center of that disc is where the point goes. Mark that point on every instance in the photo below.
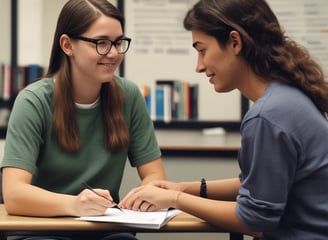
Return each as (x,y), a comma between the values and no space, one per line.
(104,46)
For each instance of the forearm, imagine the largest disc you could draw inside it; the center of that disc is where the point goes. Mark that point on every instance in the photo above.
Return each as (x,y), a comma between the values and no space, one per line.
(219,213)
(226,189)
(153,177)
(33,201)
(151,171)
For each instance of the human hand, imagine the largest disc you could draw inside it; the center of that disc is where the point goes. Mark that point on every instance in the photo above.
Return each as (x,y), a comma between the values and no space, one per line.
(93,202)
(168,185)
(150,197)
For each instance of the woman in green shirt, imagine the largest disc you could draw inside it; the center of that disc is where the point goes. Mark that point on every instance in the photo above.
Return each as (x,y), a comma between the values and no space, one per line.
(80,123)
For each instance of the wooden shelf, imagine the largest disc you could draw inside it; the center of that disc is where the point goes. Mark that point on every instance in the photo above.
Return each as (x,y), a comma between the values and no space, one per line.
(232,126)
(195,143)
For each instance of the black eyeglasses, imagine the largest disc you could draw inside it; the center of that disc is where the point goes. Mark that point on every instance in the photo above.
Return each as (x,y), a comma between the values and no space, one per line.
(103,46)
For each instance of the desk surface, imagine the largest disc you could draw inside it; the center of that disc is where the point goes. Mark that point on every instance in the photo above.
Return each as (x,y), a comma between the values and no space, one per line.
(193,140)
(181,223)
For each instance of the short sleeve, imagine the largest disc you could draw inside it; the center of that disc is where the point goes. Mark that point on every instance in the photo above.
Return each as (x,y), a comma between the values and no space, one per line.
(143,146)
(24,133)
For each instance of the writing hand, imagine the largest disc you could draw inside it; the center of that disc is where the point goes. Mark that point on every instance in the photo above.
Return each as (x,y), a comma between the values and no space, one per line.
(104,196)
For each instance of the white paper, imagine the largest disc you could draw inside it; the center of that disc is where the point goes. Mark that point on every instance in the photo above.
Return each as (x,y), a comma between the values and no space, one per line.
(149,220)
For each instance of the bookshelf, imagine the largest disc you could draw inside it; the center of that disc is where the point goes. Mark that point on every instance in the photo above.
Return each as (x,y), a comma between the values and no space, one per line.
(13,77)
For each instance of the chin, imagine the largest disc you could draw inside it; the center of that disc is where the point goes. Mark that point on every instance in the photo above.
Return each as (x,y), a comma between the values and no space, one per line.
(108,79)
(220,89)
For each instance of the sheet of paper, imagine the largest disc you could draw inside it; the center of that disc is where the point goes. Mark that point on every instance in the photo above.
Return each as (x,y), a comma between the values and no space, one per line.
(150,220)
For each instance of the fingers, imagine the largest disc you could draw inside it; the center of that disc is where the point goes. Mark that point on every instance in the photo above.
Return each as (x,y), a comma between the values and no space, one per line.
(94,202)
(99,196)
(149,197)
(147,207)
(128,200)
(134,200)
(143,198)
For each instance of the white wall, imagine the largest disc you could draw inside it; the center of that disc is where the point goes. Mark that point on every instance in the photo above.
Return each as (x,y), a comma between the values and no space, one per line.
(36,27)
(5,31)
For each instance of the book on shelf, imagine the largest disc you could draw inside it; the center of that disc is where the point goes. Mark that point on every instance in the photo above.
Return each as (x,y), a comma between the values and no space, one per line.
(6,81)
(13,79)
(163,103)
(136,219)
(186,102)
(169,86)
(33,72)
(193,101)
(176,100)
(146,93)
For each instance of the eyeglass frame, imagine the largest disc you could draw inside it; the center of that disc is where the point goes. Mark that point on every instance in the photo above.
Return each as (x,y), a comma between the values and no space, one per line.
(95,41)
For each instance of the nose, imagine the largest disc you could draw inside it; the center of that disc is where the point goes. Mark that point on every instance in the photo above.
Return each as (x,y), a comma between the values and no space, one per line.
(200,67)
(113,51)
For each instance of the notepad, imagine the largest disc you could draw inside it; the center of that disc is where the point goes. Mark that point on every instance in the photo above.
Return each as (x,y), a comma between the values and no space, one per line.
(137,219)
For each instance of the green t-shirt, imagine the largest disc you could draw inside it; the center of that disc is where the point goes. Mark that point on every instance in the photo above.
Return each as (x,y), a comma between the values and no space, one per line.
(31,144)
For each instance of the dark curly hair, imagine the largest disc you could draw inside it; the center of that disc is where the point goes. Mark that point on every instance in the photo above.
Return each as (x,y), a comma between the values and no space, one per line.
(270,53)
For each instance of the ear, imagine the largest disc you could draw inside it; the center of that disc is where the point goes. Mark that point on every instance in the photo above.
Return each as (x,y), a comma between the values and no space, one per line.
(66,45)
(235,42)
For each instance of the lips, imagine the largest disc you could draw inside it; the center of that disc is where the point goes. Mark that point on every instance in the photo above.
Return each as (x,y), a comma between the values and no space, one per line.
(210,76)
(107,64)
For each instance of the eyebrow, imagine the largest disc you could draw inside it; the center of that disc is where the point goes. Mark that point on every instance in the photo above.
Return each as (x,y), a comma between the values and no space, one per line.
(106,37)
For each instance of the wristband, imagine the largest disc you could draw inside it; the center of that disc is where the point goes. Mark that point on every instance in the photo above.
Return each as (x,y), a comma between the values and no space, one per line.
(203,190)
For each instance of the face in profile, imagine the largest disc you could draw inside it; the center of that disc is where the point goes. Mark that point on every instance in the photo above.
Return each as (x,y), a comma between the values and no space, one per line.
(221,65)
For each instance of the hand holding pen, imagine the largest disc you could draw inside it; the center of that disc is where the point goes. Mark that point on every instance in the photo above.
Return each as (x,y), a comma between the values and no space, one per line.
(90,188)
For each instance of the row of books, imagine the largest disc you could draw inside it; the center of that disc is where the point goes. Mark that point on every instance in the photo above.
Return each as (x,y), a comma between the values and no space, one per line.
(173,100)
(13,79)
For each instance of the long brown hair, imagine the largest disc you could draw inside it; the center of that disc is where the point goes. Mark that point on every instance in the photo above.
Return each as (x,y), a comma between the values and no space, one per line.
(74,19)
(270,53)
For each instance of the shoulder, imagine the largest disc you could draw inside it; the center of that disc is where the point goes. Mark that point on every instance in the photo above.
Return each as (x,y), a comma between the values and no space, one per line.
(281,100)
(131,90)
(42,87)
(43,84)
(284,106)
(39,92)
(125,84)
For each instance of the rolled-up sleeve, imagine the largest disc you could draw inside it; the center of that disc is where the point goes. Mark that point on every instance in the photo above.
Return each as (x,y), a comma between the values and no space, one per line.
(267,161)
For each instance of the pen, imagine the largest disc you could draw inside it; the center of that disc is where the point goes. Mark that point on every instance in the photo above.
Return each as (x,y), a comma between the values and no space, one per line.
(90,188)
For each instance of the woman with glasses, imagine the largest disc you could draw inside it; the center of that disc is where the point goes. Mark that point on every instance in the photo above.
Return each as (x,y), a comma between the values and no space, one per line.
(282,189)
(79,124)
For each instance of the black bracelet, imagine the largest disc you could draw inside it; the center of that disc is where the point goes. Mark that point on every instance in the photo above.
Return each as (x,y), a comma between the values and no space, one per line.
(203,190)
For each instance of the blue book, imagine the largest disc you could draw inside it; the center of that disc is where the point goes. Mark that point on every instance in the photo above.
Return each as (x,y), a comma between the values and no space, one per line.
(147,95)
(34,72)
(159,103)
